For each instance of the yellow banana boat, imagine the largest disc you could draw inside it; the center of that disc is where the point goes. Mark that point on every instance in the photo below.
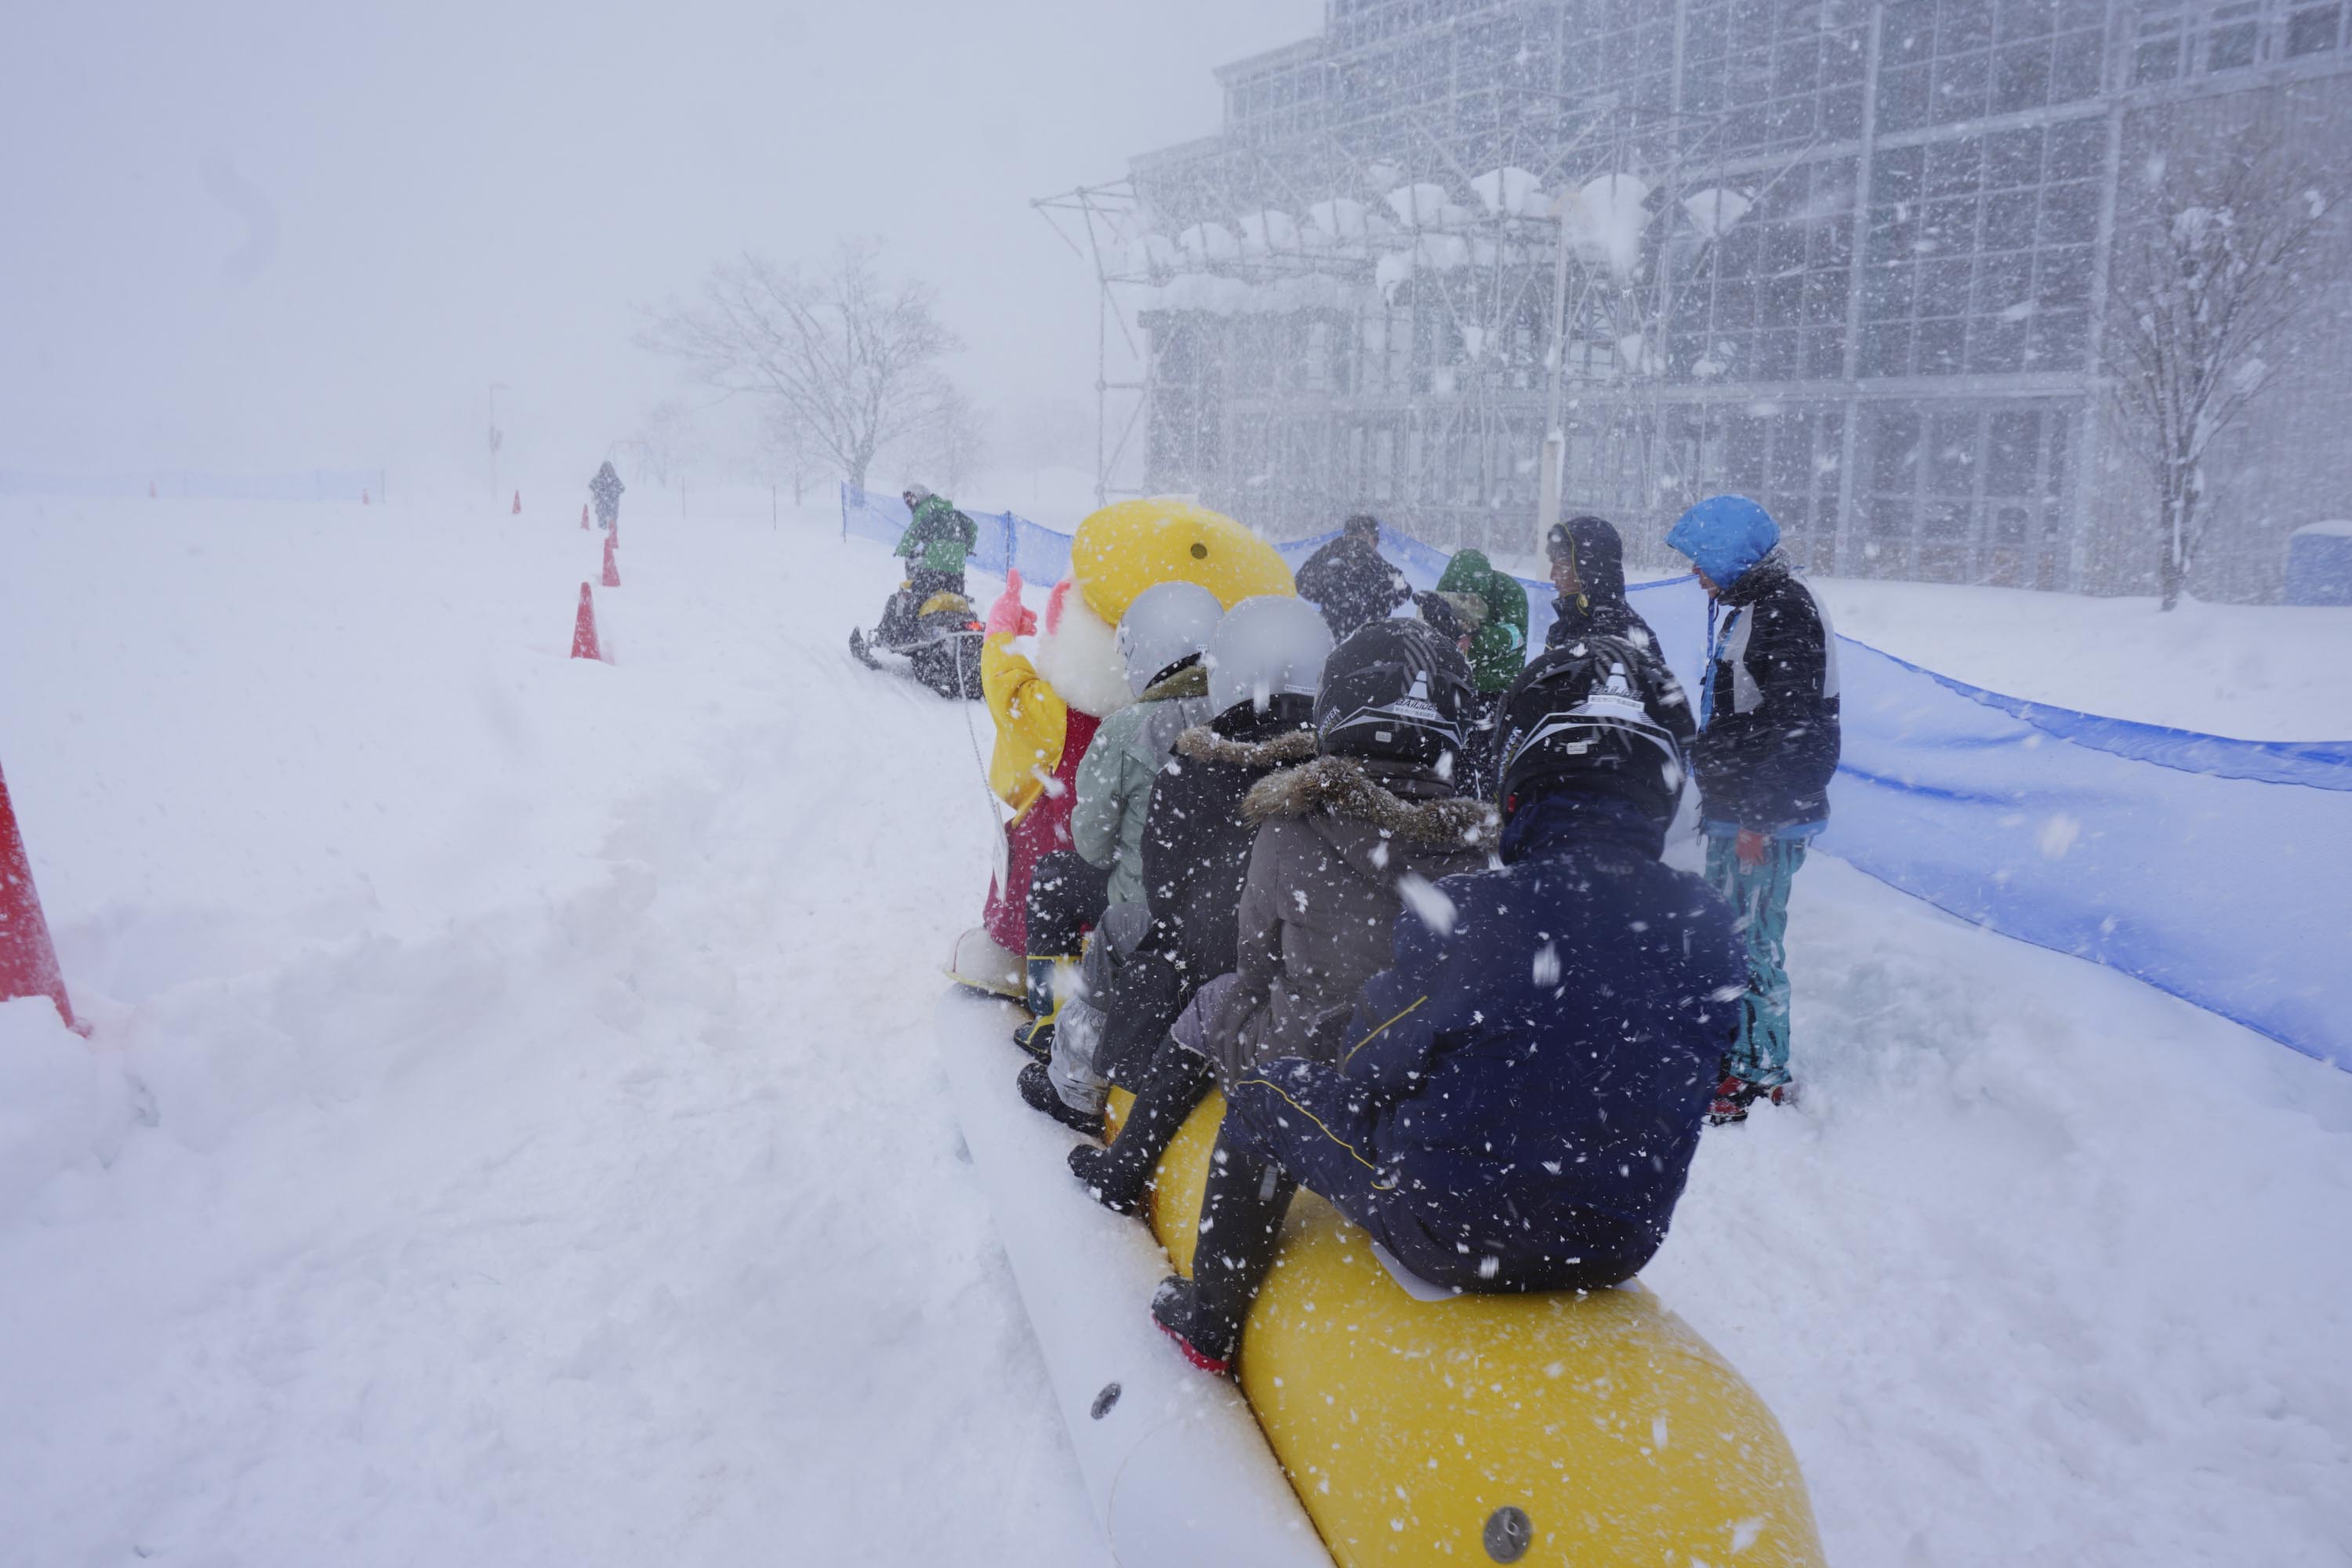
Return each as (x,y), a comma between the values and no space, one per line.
(1583,1431)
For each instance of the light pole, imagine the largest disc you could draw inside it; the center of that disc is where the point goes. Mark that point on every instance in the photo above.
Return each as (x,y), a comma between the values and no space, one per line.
(497,437)
(1555,440)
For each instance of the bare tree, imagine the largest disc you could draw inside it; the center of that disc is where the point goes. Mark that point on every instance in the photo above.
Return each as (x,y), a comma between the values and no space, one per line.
(846,355)
(668,440)
(786,447)
(954,442)
(2208,274)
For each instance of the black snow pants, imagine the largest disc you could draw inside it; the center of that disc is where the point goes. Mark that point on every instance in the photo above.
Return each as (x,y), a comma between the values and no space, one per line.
(1066,901)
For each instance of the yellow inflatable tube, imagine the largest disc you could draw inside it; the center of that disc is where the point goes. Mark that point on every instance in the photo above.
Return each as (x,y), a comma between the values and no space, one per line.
(1582,1432)
(1129,545)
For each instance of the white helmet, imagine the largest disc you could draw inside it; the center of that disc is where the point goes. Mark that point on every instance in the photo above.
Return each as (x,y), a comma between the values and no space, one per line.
(1168,624)
(1267,648)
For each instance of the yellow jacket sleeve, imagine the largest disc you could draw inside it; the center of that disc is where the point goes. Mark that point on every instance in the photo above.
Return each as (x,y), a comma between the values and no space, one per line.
(1032,723)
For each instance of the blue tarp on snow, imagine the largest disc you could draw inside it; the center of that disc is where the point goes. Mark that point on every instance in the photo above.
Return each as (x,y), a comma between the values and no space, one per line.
(2216,869)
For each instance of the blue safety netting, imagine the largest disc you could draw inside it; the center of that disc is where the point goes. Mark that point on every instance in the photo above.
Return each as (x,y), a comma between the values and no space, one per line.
(2214,868)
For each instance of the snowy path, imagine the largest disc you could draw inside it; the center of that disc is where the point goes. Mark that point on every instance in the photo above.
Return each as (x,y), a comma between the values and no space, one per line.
(548,1162)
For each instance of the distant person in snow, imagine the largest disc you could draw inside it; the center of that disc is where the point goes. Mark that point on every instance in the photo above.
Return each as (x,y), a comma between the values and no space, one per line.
(1351,580)
(1767,745)
(1519,1092)
(938,541)
(1485,613)
(1161,639)
(605,489)
(1343,842)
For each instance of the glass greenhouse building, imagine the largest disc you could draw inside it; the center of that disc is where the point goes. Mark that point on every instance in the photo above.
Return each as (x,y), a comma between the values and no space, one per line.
(1847,257)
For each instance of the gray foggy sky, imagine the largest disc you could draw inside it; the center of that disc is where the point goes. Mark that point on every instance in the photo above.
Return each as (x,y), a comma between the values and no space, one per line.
(283,234)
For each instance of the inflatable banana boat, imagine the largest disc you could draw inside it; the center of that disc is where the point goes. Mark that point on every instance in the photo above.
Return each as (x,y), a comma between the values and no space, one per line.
(1412,1426)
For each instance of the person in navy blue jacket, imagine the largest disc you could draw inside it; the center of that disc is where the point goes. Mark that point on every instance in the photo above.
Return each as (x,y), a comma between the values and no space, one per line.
(1526,1084)
(1767,745)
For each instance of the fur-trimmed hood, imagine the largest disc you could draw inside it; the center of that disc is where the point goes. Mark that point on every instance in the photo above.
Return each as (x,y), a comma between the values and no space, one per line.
(1202,744)
(1345,788)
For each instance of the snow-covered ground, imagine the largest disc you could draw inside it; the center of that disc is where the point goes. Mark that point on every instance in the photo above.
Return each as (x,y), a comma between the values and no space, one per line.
(512,1132)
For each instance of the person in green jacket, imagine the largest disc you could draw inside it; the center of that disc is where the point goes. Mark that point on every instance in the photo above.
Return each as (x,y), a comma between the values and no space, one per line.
(936,543)
(1486,611)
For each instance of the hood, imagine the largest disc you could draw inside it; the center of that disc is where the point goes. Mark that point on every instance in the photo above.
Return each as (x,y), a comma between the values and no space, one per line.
(1345,788)
(1189,679)
(1282,749)
(1470,572)
(1077,654)
(1562,821)
(1600,557)
(1758,579)
(1724,536)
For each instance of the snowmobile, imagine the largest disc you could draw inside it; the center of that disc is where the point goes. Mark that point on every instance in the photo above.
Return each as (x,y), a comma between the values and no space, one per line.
(939,642)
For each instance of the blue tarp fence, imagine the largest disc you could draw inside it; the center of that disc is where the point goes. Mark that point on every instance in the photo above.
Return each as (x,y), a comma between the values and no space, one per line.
(2216,869)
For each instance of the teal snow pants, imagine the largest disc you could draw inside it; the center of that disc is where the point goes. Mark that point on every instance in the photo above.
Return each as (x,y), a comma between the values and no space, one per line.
(1759,896)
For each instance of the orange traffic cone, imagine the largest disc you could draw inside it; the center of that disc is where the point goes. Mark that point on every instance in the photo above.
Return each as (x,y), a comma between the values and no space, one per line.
(611,567)
(29,961)
(518,505)
(584,628)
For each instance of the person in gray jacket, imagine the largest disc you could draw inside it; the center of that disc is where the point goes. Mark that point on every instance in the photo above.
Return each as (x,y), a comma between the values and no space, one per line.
(1345,844)
(1160,640)
(1344,840)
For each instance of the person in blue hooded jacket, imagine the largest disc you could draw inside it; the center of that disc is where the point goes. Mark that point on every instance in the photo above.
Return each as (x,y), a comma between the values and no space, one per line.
(1767,745)
(1524,1086)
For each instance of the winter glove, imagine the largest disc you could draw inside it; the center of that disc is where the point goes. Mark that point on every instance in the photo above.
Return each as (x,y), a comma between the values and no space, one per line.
(1749,848)
(1008,616)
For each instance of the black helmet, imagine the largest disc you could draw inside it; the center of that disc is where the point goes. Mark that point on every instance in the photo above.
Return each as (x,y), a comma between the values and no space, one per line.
(1586,716)
(1397,691)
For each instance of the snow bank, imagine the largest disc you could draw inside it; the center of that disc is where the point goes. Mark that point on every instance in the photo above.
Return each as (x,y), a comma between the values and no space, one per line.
(2257,671)
(65,1106)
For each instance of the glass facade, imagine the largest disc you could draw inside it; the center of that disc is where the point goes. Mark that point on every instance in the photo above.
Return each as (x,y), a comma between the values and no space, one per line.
(1887,335)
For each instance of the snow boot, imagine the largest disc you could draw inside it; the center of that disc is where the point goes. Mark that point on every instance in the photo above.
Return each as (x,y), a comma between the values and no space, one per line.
(1119,1174)
(1045,1000)
(1735,1094)
(1037,1094)
(1174,1315)
(978,962)
(1242,1211)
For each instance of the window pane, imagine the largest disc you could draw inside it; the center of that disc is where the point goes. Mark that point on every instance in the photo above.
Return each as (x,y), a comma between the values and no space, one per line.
(2012,437)
(2075,69)
(2309,32)
(2021,79)
(1940,345)
(2232,46)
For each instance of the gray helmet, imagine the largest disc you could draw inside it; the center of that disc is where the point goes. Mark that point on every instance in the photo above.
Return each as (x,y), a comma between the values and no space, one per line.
(1168,624)
(1265,650)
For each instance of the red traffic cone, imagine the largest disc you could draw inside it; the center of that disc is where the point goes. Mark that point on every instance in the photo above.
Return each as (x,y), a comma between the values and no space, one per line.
(615,530)
(28,962)
(583,517)
(584,628)
(611,567)
(363,497)
(518,505)
(151,490)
